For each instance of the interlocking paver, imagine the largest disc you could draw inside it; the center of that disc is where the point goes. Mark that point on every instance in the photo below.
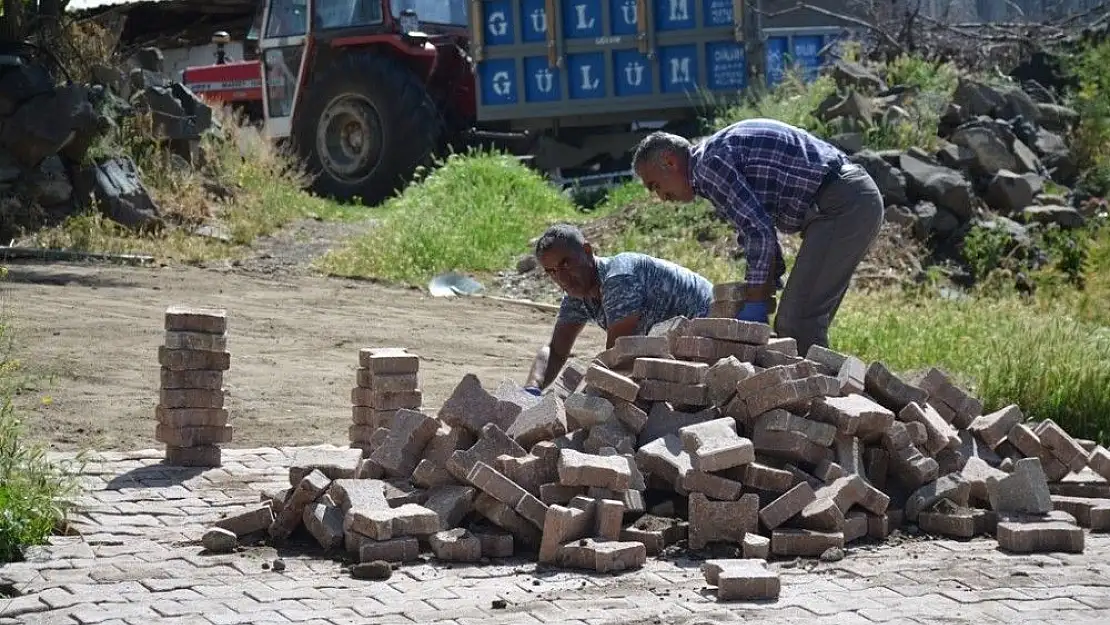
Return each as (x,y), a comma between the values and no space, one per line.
(135,564)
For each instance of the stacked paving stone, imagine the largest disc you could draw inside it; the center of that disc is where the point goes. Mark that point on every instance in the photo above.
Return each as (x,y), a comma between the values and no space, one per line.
(707,432)
(192,420)
(387,381)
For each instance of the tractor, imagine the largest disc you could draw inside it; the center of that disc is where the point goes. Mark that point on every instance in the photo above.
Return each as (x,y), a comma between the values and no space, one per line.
(366,91)
(359,89)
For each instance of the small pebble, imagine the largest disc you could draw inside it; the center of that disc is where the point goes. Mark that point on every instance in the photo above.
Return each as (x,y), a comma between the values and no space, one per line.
(219,540)
(279,565)
(376,570)
(498,604)
(832,554)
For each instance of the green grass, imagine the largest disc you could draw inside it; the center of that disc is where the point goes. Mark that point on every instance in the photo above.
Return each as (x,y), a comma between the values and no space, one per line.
(476,213)
(1035,355)
(35,492)
(266,188)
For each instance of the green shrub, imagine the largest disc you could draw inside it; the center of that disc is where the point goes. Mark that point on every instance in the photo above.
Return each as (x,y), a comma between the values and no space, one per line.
(475,213)
(35,492)
(1091,138)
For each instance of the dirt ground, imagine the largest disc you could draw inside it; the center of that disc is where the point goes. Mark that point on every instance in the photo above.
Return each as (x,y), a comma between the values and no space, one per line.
(88,336)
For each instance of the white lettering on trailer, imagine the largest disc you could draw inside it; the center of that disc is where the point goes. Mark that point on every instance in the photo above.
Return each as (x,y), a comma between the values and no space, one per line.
(588,82)
(545,80)
(680,70)
(583,23)
(628,11)
(539,21)
(680,10)
(502,84)
(498,24)
(634,73)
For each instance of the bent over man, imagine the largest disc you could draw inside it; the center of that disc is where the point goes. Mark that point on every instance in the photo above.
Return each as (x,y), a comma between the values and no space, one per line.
(625,295)
(761,174)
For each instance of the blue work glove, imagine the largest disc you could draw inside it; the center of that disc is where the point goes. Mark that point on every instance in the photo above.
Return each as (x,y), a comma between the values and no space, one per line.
(753,311)
(533,390)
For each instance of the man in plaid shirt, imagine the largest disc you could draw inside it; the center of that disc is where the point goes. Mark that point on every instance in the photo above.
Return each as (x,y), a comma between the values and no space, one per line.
(763,174)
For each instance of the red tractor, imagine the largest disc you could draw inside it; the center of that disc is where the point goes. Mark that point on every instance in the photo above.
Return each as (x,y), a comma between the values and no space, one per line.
(367,90)
(362,90)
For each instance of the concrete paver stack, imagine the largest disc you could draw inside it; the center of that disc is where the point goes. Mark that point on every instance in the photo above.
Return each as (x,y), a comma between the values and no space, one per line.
(192,419)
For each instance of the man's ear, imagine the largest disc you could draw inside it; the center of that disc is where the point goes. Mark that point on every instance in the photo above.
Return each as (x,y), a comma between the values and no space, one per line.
(588,249)
(670,161)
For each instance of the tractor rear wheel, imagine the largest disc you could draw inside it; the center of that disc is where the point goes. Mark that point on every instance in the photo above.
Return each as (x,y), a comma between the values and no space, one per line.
(368,123)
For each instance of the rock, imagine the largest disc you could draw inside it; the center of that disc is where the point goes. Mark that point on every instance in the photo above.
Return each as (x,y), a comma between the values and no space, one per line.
(890,180)
(955,156)
(1017,103)
(46,124)
(151,59)
(1062,167)
(1038,92)
(896,116)
(852,106)
(122,195)
(925,213)
(1064,216)
(526,263)
(850,142)
(378,570)
(219,540)
(944,187)
(49,185)
(977,98)
(1048,142)
(1017,234)
(194,107)
(848,74)
(20,83)
(1008,192)
(1056,117)
(991,151)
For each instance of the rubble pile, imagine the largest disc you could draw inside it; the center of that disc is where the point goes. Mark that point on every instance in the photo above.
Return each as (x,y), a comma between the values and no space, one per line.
(48,129)
(1003,161)
(192,419)
(709,432)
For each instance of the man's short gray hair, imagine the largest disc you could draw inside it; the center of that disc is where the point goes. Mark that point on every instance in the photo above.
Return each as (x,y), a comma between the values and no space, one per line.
(655,145)
(564,236)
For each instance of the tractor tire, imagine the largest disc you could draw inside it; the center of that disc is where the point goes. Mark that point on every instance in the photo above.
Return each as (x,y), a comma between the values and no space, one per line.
(367,125)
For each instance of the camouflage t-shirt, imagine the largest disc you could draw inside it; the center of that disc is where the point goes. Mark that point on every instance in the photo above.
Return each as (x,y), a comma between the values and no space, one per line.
(634,283)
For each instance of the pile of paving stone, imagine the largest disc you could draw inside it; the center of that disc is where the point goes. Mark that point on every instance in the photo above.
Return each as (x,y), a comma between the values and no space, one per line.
(708,432)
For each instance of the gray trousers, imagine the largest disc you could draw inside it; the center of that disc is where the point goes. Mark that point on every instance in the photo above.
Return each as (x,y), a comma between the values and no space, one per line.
(836,235)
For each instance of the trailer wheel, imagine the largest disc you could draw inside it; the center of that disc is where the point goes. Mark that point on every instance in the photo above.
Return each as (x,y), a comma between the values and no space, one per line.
(368,123)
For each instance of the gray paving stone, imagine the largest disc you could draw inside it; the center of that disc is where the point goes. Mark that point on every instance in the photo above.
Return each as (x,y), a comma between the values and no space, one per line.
(123,572)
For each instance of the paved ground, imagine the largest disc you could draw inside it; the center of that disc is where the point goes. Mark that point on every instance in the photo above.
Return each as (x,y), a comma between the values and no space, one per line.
(136,562)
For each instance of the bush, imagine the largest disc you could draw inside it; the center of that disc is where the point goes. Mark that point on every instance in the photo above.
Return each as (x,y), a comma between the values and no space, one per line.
(35,492)
(475,213)
(1091,138)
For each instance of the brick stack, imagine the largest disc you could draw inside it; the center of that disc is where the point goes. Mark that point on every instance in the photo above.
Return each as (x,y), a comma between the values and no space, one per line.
(192,420)
(387,380)
(731,436)
(728,299)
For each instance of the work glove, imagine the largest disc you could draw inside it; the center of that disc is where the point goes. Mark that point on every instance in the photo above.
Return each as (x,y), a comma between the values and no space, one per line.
(756,312)
(533,390)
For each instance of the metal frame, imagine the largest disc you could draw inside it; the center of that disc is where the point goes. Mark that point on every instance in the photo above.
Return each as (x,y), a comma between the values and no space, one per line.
(568,109)
(282,127)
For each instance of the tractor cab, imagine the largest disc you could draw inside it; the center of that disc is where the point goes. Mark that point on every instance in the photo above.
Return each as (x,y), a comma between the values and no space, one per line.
(362,88)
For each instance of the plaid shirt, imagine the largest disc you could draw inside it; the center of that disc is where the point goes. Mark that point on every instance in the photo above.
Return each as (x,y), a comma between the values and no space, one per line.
(762,173)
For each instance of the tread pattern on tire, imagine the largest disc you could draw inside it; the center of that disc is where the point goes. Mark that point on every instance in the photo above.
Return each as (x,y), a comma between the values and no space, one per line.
(412,125)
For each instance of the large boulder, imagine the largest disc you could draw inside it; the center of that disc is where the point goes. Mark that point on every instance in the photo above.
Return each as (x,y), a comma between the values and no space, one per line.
(1056,117)
(46,124)
(889,179)
(49,185)
(122,196)
(20,83)
(977,98)
(852,106)
(991,152)
(1063,216)
(940,185)
(1009,192)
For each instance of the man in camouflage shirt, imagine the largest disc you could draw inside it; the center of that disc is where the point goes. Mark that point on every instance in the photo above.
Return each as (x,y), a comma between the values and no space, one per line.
(625,295)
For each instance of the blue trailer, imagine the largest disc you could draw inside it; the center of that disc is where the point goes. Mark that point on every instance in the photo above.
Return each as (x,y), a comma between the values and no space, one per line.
(585,75)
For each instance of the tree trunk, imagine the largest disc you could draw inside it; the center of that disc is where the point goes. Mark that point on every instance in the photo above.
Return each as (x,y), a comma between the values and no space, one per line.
(12,26)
